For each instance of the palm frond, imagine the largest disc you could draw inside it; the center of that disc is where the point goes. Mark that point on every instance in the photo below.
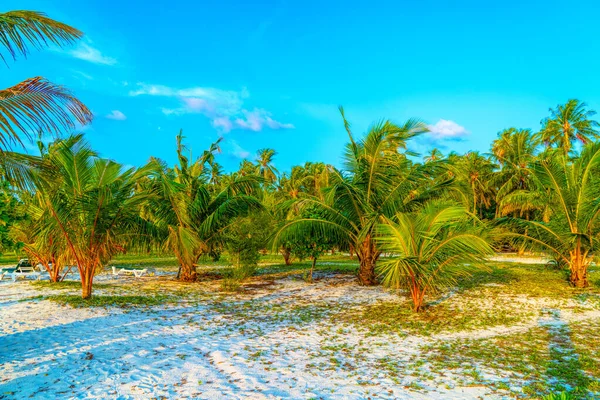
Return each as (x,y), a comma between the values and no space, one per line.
(20,30)
(38,105)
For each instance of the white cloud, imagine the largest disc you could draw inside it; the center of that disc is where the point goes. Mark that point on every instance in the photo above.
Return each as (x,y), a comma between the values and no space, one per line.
(85,51)
(446,129)
(238,151)
(116,115)
(225,108)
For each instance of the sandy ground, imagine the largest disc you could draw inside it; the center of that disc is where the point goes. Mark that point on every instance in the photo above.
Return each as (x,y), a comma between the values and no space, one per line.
(196,350)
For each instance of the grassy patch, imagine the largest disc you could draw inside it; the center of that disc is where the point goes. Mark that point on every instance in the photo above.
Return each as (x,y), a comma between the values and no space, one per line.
(111,301)
(65,285)
(538,362)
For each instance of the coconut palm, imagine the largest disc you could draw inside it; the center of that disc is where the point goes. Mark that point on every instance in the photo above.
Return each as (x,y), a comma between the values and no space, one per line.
(87,206)
(379,181)
(188,213)
(430,248)
(433,155)
(569,123)
(514,150)
(473,173)
(569,189)
(264,158)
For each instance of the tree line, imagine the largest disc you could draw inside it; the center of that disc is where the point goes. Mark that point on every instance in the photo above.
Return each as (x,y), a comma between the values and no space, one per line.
(413,223)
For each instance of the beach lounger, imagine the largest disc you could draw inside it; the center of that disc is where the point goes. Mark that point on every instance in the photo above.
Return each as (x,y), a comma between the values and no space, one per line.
(138,273)
(23,269)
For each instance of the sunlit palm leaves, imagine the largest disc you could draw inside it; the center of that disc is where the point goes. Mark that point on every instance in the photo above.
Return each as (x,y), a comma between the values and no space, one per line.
(514,150)
(35,105)
(266,169)
(20,30)
(379,181)
(571,191)
(187,212)
(569,123)
(430,249)
(88,205)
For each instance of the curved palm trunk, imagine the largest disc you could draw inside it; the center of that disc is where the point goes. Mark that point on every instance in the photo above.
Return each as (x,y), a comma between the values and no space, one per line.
(367,257)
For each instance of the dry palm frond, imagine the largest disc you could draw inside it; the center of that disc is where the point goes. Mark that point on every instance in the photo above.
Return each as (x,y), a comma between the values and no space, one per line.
(38,105)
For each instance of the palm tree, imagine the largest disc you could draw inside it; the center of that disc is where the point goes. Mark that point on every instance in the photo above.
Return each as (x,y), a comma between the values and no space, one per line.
(473,173)
(189,214)
(514,150)
(569,123)
(379,181)
(35,104)
(569,189)
(87,206)
(264,158)
(431,247)
(434,155)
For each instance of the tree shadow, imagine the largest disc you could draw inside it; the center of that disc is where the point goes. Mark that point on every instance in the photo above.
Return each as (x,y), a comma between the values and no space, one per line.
(564,369)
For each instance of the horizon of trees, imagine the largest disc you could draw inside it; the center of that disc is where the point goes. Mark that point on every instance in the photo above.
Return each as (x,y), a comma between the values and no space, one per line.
(416,225)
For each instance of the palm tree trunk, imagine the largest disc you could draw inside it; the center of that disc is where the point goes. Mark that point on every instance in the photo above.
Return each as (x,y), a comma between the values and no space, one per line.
(578,267)
(54,272)
(367,258)
(87,280)
(287,255)
(187,273)
(312,268)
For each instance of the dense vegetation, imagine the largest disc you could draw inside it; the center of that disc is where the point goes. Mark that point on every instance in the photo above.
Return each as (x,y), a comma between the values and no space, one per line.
(413,223)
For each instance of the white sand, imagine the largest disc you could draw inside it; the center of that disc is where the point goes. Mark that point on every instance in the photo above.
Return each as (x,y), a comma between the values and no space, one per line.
(196,351)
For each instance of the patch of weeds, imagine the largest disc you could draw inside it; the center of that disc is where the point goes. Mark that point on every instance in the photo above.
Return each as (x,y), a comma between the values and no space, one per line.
(39,297)
(230,285)
(110,301)
(64,285)
(392,317)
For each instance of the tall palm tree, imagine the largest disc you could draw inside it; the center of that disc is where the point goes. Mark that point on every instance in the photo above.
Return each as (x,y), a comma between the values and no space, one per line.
(569,123)
(35,104)
(89,205)
(264,158)
(431,248)
(570,190)
(514,150)
(473,173)
(379,181)
(434,155)
(187,213)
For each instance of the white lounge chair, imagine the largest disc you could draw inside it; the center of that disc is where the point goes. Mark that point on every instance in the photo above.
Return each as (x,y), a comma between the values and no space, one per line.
(138,273)
(24,269)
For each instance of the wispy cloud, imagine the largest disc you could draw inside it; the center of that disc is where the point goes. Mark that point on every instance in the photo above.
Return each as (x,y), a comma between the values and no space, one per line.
(237,150)
(116,115)
(446,129)
(225,108)
(85,51)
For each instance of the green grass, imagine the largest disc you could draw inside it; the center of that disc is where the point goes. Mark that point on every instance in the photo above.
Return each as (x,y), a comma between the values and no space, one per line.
(484,300)
(65,285)
(123,301)
(545,360)
(9,259)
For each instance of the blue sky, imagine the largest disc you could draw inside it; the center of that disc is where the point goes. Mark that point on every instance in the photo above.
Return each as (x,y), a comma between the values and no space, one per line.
(271,73)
